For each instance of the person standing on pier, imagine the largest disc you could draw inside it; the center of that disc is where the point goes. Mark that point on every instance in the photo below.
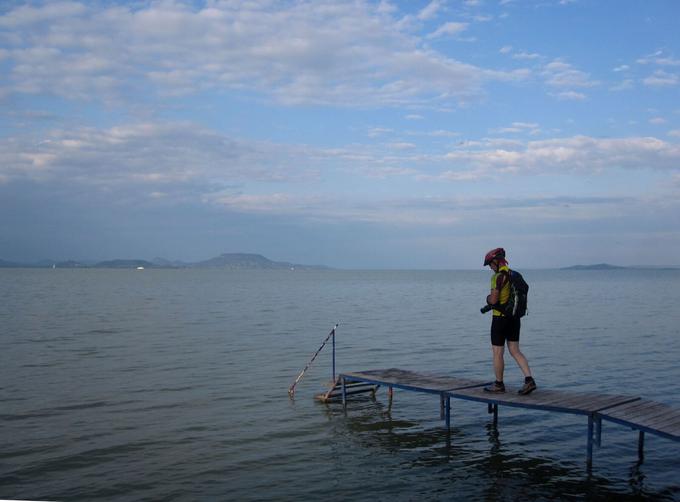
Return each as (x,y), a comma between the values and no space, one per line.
(504,329)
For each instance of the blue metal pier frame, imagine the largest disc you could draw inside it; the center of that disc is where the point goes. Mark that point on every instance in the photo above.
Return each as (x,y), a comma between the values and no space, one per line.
(632,411)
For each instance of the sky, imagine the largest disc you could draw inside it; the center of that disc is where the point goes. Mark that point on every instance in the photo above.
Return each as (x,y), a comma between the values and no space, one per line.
(358,134)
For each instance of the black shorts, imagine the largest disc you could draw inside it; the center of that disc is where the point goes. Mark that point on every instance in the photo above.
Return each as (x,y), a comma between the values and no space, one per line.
(504,329)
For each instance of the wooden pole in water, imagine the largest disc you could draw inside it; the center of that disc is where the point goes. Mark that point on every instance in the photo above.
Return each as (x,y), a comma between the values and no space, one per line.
(641,446)
(589,452)
(448,413)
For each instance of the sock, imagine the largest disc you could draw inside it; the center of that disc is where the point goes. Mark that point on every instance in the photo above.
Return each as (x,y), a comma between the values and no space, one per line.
(528,379)
(499,383)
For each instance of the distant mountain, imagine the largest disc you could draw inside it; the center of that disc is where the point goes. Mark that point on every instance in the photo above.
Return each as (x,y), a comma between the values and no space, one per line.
(165,263)
(124,264)
(597,266)
(232,261)
(70,264)
(248,261)
(10,264)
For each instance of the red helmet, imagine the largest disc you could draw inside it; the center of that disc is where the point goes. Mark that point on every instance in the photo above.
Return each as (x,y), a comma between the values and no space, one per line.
(493,254)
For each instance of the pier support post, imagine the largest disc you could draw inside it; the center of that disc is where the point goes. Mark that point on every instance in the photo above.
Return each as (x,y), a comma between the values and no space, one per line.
(442,412)
(344,392)
(589,452)
(641,446)
(598,432)
(448,413)
(493,408)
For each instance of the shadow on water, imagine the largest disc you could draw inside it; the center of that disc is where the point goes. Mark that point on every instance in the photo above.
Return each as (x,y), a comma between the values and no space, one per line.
(478,466)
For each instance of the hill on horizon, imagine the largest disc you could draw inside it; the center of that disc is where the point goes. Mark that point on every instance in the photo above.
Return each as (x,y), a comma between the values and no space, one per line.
(232,261)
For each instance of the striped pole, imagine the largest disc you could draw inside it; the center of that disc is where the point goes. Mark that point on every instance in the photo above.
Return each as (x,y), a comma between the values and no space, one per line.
(291,390)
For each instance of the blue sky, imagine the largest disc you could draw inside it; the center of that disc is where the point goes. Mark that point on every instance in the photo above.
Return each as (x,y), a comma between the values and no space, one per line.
(359,134)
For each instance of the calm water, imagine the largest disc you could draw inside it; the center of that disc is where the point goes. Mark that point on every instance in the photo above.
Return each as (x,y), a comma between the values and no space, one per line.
(171,385)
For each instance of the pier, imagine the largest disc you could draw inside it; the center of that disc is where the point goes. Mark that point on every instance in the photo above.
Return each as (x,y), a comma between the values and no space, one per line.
(640,414)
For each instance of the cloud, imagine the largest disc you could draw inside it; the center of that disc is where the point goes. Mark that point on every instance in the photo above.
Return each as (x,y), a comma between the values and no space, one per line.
(402,145)
(379,131)
(570,96)
(430,10)
(152,156)
(661,78)
(624,85)
(448,29)
(526,56)
(424,210)
(565,79)
(657,120)
(658,58)
(442,133)
(343,54)
(561,74)
(172,163)
(578,154)
(520,127)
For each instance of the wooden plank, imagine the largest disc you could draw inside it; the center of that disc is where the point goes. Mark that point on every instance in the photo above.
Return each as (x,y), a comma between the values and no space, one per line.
(549,400)
(674,430)
(664,421)
(628,410)
(648,415)
(412,381)
(641,409)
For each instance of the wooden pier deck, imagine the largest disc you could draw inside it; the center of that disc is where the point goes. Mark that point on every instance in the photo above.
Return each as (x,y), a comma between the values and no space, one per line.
(632,411)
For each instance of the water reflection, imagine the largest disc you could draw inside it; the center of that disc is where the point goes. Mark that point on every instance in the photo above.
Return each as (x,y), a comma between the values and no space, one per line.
(462,464)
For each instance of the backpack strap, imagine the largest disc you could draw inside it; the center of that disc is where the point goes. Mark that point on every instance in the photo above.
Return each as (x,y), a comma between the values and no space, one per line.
(505,274)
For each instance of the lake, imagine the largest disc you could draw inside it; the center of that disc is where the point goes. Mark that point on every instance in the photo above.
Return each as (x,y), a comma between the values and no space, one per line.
(169,384)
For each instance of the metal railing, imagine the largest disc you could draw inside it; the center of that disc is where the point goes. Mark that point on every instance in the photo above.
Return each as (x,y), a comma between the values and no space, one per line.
(331,335)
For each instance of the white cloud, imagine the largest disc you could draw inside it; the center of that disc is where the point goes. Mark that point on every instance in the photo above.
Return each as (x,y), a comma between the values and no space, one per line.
(561,74)
(430,10)
(180,162)
(182,155)
(520,127)
(402,145)
(505,49)
(571,96)
(320,52)
(661,78)
(624,85)
(657,120)
(564,78)
(448,29)
(575,154)
(675,133)
(378,131)
(621,68)
(526,55)
(658,58)
(441,133)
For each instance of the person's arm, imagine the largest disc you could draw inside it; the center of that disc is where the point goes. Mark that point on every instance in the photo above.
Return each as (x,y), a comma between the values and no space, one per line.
(495,294)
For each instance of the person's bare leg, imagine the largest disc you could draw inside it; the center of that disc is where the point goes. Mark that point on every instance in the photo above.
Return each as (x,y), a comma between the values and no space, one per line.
(498,362)
(522,362)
